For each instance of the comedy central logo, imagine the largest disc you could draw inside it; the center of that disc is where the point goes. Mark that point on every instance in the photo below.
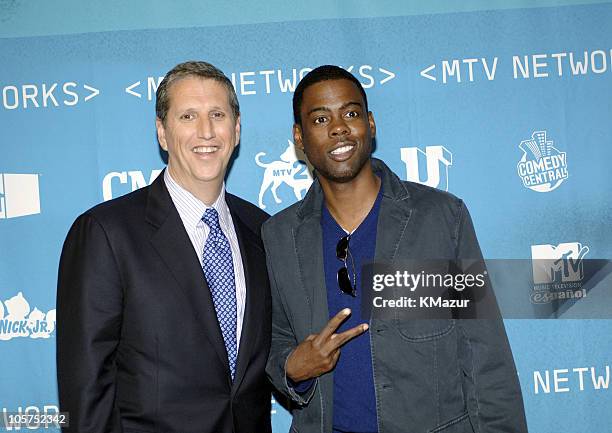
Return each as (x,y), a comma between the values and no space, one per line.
(558,271)
(288,169)
(18,319)
(542,167)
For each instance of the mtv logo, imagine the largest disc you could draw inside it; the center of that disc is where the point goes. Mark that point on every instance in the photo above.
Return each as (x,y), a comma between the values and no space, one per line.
(288,169)
(436,156)
(19,195)
(558,264)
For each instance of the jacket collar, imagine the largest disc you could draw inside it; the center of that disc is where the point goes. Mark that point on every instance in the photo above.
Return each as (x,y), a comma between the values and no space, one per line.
(393,188)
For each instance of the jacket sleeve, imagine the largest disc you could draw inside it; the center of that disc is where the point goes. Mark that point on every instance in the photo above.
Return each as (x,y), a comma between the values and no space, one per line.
(89,305)
(494,398)
(283,338)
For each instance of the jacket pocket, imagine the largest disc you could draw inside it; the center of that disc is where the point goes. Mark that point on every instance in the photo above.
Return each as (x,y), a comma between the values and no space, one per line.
(460,424)
(424,329)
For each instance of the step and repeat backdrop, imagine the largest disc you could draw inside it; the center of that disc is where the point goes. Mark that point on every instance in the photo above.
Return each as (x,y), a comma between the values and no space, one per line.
(510,109)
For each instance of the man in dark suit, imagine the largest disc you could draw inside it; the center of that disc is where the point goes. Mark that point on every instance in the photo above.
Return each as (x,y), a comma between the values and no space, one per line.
(163,300)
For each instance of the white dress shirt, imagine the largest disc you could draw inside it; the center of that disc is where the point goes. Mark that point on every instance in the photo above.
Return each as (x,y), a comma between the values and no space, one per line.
(191,210)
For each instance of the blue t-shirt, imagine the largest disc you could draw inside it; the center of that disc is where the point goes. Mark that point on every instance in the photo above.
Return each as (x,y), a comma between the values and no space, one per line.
(354,395)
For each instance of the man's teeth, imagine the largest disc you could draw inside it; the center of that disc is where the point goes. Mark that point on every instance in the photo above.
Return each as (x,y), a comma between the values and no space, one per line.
(342,149)
(205,149)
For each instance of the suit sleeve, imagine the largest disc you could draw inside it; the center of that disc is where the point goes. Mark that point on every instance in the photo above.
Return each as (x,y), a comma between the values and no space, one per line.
(283,338)
(494,396)
(89,305)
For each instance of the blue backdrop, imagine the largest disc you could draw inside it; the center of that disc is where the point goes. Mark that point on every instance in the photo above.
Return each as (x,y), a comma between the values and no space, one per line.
(509,108)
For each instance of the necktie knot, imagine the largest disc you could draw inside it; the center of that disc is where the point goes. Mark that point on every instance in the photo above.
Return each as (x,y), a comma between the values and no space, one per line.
(211,219)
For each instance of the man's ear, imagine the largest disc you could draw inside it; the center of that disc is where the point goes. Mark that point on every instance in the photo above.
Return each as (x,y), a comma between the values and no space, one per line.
(372,123)
(237,130)
(161,133)
(297,137)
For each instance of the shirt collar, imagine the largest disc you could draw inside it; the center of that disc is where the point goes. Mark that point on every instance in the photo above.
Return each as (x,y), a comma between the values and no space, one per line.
(190,208)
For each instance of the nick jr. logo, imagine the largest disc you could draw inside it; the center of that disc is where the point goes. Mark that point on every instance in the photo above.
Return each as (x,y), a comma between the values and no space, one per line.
(542,167)
(288,169)
(19,320)
(438,160)
(19,195)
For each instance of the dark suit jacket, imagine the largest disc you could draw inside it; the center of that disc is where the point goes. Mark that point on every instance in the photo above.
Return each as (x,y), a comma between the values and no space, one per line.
(139,348)
(447,375)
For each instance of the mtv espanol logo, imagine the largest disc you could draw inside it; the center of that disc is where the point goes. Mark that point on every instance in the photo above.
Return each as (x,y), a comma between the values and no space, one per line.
(542,167)
(558,264)
(19,195)
(288,169)
(17,319)
(438,160)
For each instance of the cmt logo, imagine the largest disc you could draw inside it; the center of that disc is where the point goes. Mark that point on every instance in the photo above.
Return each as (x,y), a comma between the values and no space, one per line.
(19,195)
(288,170)
(19,320)
(438,158)
(137,180)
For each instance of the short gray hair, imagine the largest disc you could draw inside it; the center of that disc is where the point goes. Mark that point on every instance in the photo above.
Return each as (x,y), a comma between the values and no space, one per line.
(202,70)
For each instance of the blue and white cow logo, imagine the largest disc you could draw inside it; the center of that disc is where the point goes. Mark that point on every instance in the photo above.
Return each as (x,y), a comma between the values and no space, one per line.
(288,169)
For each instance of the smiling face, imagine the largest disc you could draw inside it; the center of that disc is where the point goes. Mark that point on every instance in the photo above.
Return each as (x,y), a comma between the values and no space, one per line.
(336,132)
(199,134)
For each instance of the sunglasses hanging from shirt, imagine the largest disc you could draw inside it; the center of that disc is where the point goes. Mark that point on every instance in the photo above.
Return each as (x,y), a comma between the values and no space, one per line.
(344,281)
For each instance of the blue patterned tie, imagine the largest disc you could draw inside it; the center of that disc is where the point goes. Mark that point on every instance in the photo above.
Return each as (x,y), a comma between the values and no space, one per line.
(219,272)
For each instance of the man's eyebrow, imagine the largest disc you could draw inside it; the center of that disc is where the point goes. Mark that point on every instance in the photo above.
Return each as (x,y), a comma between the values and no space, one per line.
(196,108)
(342,107)
(348,104)
(317,109)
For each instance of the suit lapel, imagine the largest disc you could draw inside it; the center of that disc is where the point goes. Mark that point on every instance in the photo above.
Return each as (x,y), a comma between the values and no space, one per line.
(252,256)
(171,242)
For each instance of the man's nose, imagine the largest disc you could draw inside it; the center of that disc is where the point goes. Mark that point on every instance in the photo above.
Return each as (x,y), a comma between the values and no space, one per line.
(206,129)
(338,127)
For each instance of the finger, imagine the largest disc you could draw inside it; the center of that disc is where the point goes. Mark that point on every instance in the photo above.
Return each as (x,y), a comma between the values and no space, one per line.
(333,324)
(311,337)
(330,362)
(338,340)
(335,356)
(334,359)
